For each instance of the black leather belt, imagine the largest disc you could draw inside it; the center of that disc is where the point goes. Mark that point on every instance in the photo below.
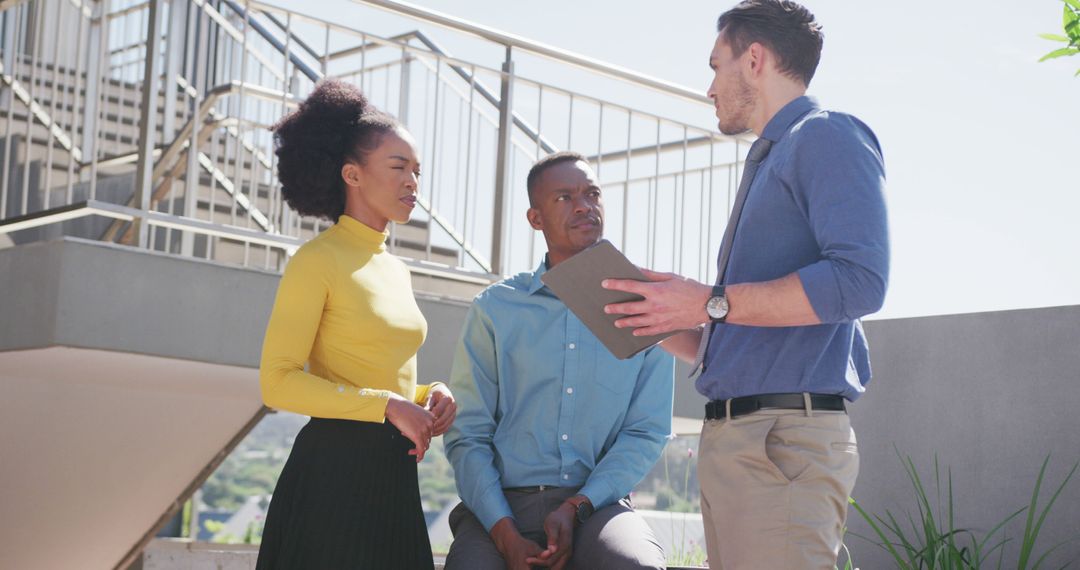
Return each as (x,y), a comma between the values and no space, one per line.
(532,489)
(716,409)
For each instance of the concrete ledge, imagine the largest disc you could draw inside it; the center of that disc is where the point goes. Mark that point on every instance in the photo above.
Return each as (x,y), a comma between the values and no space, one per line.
(78,293)
(86,294)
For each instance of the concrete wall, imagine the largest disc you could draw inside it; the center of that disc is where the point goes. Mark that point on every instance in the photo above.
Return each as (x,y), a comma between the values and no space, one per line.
(990,395)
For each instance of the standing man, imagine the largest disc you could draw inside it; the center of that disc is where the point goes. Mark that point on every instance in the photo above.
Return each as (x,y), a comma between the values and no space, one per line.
(779,335)
(552,431)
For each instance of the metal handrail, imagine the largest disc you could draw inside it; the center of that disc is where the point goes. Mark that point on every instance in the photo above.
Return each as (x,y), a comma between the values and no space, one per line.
(459,67)
(550,52)
(180,143)
(484,92)
(464,88)
(432,46)
(508,40)
(87,208)
(429,43)
(276,43)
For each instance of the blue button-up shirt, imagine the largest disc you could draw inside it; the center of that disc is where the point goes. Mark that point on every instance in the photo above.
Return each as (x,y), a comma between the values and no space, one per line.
(542,402)
(816,207)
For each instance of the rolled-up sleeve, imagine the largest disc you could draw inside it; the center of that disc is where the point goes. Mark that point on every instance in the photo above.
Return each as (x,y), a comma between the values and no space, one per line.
(837,175)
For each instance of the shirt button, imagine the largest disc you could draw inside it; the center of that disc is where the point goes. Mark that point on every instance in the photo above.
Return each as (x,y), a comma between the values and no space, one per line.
(340,388)
(572,346)
(565,437)
(569,390)
(565,477)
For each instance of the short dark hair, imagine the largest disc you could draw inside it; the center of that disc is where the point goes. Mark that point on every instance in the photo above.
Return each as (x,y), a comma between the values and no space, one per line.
(546,163)
(334,124)
(787,28)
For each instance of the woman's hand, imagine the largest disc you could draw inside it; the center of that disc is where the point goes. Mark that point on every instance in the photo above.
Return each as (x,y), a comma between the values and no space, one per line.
(442,405)
(414,422)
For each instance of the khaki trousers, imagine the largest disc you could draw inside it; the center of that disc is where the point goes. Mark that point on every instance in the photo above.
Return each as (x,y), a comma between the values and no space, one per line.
(775,487)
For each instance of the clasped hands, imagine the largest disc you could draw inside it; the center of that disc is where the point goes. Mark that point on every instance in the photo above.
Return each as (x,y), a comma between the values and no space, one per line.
(520,553)
(420,424)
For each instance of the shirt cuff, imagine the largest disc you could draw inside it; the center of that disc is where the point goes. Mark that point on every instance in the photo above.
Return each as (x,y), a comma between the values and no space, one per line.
(492,508)
(599,494)
(374,409)
(822,289)
(423,392)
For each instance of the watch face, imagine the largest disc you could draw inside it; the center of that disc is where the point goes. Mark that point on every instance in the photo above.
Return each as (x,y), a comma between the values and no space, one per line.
(584,511)
(717,307)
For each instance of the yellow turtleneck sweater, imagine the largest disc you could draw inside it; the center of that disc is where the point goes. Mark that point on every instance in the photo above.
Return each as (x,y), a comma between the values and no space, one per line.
(344,306)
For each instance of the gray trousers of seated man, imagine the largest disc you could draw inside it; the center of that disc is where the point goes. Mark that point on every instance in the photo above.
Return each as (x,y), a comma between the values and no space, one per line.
(614,537)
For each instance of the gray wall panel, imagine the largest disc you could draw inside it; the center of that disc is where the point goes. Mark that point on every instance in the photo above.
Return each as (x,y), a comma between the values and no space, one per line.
(988,394)
(29,286)
(445,318)
(147,303)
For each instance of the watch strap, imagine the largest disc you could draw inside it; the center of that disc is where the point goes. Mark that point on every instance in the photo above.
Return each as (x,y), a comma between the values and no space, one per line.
(583,507)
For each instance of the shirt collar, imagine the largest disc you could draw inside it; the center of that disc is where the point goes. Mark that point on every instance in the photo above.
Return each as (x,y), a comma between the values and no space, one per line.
(536,283)
(787,115)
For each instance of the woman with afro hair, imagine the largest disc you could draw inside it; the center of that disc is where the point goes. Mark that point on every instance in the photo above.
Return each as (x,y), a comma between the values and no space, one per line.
(348,496)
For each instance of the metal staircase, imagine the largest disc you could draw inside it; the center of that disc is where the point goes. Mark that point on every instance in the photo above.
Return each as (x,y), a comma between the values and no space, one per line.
(97,124)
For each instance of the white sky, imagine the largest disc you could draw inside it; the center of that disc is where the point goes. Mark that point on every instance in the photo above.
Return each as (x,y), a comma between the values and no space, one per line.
(981,142)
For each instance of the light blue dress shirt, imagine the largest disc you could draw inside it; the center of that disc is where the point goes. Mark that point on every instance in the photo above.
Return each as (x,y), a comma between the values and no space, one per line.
(542,402)
(816,208)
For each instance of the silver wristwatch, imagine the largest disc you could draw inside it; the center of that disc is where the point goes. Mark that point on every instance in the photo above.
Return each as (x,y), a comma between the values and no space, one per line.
(717,305)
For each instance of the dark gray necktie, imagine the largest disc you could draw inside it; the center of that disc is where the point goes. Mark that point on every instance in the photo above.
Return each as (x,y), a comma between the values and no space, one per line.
(758,151)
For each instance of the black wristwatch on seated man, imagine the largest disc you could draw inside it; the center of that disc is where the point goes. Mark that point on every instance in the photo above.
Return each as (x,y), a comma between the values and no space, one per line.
(583,508)
(717,306)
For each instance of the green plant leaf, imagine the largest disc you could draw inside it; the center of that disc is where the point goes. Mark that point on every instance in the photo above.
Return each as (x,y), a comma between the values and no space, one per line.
(999,546)
(1029,541)
(1027,545)
(1054,38)
(990,534)
(881,534)
(1068,16)
(933,543)
(1061,52)
(1077,74)
(1039,562)
(1074,3)
(1072,29)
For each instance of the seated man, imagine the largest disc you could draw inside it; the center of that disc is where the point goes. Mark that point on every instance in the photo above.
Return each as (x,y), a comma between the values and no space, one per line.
(552,431)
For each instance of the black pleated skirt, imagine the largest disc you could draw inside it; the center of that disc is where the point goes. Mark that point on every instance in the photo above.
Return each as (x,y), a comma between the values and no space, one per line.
(347,498)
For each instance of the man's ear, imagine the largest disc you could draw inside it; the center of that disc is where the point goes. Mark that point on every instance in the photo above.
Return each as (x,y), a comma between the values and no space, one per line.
(352,174)
(756,56)
(534,218)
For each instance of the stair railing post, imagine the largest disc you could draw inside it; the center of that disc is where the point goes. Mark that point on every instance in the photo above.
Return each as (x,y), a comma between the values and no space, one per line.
(175,44)
(502,162)
(8,58)
(196,48)
(404,90)
(148,123)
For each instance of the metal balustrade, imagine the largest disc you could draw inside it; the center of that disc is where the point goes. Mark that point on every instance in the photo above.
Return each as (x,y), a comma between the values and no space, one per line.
(148,124)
